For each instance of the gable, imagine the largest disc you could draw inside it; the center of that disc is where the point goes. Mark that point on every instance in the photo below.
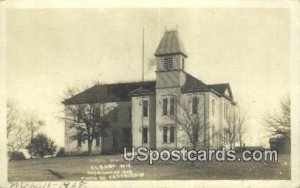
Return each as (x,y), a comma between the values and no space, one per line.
(227,92)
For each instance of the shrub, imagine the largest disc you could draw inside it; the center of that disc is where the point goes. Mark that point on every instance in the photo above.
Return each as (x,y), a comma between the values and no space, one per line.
(41,146)
(17,156)
(61,152)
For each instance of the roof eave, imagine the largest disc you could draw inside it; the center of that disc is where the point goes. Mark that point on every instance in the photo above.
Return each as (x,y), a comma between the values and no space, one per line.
(95,101)
(173,53)
(208,90)
(141,94)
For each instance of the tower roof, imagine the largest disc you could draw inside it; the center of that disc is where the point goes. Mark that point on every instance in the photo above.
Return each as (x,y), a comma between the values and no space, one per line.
(170,44)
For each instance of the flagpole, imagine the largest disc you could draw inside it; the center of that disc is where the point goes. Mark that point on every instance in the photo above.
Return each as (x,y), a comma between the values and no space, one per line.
(143,54)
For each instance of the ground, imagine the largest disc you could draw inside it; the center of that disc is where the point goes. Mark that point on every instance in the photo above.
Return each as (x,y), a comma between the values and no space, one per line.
(77,168)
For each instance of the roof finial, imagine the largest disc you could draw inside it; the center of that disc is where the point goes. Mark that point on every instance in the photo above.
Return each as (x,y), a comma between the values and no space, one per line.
(170,29)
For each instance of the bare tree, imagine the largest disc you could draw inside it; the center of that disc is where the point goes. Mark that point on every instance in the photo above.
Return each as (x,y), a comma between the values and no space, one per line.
(17,137)
(89,120)
(192,124)
(229,135)
(12,116)
(21,127)
(240,127)
(235,129)
(279,123)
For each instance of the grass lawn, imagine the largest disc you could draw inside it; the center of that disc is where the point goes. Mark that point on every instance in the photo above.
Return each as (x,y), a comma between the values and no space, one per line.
(76,168)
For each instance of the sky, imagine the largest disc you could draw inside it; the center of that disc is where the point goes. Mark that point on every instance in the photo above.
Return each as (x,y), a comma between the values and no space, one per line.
(49,50)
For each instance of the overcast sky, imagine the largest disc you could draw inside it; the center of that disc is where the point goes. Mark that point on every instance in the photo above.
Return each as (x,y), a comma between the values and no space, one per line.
(49,50)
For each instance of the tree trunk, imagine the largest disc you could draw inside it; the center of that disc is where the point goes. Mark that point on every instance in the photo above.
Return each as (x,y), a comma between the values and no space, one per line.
(90,148)
(194,148)
(240,143)
(31,138)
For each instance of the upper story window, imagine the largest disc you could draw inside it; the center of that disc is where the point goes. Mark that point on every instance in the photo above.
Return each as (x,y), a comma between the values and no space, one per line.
(195,105)
(79,117)
(168,62)
(97,113)
(165,107)
(172,106)
(130,113)
(213,107)
(145,108)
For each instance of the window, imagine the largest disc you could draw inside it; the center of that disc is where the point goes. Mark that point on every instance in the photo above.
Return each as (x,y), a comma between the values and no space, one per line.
(172,106)
(145,108)
(213,107)
(195,105)
(97,114)
(168,62)
(165,134)
(172,134)
(98,141)
(79,117)
(130,113)
(145,135)
(165,107)
(115,114)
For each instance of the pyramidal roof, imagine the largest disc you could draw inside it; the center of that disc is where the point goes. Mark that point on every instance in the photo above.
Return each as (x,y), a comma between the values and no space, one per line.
(170,44)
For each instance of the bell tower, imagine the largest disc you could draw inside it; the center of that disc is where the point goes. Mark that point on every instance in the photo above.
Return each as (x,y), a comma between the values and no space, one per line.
(170,58)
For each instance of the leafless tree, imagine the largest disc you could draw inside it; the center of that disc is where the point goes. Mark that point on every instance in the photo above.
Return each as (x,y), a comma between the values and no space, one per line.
(194,126)
(241,129)
(21,126)
(17,137)
(89,120)
(229,135)
(235,130)
(278,124)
